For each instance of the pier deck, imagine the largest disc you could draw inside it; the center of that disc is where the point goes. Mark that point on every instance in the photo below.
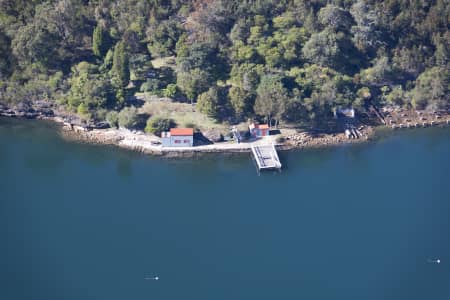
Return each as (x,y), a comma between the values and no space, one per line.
(266,157)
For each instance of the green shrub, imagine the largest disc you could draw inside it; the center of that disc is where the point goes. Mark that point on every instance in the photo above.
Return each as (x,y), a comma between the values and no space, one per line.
(128,117)
(158,125)
(100,114)
(151,85)
(112,118)
(83,111)
(190,125)
(170,91)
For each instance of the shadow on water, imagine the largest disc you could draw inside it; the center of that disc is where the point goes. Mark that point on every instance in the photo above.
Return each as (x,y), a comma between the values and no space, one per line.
(44,150)
(124,168)
(39,143)
(207,164)
(305,159)
(43,162)
(426,136)
(359,154)
(432,136)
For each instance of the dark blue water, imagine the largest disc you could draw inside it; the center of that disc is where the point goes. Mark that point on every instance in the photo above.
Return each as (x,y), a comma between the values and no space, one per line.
(91,222)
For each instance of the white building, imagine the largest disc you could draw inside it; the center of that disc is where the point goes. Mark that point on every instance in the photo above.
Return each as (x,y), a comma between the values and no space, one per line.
(347,112)
(178,137)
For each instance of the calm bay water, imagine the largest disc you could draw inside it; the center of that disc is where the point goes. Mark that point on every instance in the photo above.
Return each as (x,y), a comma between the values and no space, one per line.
(91,222)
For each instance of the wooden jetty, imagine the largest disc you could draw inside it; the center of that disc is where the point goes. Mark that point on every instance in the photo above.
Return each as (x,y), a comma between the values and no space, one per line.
(266,157)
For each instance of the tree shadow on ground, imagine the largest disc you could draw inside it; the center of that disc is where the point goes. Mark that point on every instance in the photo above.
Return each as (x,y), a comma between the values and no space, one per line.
(201,140)
(274,132)
(141,121)
(134,101)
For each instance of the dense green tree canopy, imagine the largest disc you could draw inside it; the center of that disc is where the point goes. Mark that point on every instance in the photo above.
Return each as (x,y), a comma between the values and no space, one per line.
(127,117)
(285,60)
(158,125)
(100,41)
(272,98)
(213,103)
(121,65)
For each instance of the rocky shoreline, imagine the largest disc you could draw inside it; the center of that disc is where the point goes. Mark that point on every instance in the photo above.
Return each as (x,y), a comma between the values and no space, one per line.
(304,140)
(73,128)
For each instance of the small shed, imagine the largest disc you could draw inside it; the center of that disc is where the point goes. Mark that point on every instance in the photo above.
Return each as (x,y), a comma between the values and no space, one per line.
(178,137)
(344,112)
(259,130)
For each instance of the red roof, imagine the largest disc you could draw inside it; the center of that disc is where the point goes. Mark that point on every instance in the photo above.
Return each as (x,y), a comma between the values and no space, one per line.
(182,131)
(262,126)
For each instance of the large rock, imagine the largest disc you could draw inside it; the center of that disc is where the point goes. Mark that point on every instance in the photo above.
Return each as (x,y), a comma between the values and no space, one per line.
(30,115)
(100,125)
(47,112)
(44,108)
(23,108)
(40,104)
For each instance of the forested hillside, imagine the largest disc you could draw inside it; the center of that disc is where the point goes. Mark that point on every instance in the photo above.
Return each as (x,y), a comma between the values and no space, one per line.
(293,61)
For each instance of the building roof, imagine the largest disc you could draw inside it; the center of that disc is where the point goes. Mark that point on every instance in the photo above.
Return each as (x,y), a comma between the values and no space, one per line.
(259,126)
(182,131)
(348,112)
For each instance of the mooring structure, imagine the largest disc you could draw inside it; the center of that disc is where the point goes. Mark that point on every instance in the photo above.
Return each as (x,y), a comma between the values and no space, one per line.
(266,157)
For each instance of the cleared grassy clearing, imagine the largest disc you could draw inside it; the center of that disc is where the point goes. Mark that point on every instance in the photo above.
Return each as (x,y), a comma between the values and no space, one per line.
(185,115)
(182,113)
(168,61)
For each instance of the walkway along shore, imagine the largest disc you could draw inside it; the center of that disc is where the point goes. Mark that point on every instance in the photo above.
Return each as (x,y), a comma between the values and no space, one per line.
(141,142)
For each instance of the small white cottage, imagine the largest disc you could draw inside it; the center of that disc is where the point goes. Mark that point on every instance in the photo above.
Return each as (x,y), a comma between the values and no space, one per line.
(345,112)
(178,137)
